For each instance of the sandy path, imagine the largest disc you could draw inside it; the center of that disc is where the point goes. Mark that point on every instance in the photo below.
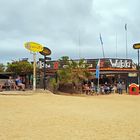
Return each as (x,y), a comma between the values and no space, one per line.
(55,117)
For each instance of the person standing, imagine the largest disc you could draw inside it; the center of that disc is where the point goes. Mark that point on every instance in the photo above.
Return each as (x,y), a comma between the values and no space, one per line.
(119,88)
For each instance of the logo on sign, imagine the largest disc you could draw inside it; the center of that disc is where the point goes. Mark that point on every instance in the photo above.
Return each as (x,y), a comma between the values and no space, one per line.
(118,63)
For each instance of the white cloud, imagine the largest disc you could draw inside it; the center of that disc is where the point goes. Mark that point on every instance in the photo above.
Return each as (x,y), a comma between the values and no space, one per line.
(57,24)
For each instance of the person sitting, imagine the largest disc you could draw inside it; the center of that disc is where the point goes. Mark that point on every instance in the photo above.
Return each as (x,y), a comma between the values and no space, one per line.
(114,89)
(1,86)
(86,89)
(19,83)
(10,82)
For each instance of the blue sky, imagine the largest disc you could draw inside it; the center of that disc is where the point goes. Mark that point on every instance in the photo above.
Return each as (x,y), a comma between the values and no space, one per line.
(69,27)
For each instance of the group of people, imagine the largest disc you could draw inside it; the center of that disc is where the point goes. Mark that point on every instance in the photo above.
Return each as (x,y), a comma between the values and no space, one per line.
(15,84)
(90,88)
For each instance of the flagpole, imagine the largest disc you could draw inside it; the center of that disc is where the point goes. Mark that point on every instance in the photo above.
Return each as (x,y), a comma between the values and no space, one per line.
(79,45)
(98,75)
(126,40)
(116,45)
(98,85)
(126,46)
(103,51)
(102,45)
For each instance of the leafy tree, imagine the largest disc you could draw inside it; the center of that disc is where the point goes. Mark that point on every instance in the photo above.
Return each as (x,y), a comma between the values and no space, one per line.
(79,70)
(2,68)
(64,73)
(64,59)
(74,71)
(20,67)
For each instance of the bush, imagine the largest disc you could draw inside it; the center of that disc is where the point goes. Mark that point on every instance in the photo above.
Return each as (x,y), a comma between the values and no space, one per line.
(53,85)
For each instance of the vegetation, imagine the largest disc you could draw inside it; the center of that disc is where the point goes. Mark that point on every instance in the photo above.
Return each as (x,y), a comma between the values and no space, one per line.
(2,68)
(53,85)
(20,67)
(73,72)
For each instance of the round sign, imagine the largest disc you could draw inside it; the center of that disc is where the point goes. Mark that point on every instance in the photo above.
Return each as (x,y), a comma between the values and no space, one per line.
(34,47)
(136,46)
(46,51)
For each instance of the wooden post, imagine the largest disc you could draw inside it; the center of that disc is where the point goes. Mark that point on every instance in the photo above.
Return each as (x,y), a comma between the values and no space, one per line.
(138,69)
(44,72)
(34,71)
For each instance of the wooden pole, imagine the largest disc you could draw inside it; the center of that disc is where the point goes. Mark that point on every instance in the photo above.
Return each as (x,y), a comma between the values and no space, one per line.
(138,69)
(34,71)
(44,72)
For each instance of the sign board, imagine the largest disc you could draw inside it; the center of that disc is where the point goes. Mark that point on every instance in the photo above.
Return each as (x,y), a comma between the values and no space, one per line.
(132,74)
(45,51)
(34,47)
(104,63)
(40,64)
(120,63)
(111,63)
(136,46)
(46,58)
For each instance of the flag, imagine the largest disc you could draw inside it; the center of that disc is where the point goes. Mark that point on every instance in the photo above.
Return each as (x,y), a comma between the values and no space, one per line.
(101,39)
(126,27)
(98,69)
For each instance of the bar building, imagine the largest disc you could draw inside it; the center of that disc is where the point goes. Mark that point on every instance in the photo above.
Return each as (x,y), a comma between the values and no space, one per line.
(112,70)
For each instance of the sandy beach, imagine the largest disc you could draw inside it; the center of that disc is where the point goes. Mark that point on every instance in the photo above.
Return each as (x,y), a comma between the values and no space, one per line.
(46,116)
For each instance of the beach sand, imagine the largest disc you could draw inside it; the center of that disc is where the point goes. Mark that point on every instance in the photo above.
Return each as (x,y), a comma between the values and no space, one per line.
(46,116)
